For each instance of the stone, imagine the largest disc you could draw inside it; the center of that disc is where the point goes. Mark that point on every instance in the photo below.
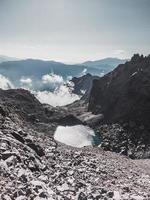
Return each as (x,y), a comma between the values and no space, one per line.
(110,194)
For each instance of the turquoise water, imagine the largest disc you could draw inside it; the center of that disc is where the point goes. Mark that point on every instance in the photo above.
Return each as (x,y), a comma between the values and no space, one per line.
(97,139)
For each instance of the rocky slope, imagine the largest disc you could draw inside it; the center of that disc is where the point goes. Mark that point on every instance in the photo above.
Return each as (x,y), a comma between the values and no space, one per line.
(34,166)
(55,171)
(123,97)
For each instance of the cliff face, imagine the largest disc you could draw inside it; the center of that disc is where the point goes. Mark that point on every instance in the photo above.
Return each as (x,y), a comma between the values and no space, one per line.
(83,85)
(123,96)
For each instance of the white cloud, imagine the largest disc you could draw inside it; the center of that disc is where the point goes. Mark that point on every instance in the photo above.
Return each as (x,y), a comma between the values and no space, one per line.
(59,97)
(69,78)
(119,52)
(84,72)
(52,80)
(76,136)
(61,91)
(26,80)
(5,83)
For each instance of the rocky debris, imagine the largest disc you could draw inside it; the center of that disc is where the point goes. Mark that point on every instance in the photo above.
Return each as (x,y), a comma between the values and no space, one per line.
(116,138)
(90,119)
(79,109)
(22,103)
(122,96)
(64,172)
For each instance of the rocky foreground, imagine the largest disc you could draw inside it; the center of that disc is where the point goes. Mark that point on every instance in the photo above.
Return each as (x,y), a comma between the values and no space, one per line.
(34,166)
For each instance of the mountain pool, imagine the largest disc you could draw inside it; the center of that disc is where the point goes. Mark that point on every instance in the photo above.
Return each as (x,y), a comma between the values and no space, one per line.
(77,136)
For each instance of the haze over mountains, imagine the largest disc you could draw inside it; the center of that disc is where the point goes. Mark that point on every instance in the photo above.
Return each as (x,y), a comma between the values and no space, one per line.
(107,64)
(35,69)
(7,58)
(50,80)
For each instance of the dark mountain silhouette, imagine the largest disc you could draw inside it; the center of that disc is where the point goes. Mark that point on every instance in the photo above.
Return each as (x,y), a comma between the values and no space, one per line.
(123,96)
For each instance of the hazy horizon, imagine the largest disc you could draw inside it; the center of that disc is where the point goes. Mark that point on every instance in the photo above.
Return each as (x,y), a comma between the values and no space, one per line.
(59,61)
(74,31)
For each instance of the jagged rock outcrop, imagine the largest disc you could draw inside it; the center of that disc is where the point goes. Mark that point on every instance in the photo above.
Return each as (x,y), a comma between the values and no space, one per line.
(22,103)
(83,85)
(123,96)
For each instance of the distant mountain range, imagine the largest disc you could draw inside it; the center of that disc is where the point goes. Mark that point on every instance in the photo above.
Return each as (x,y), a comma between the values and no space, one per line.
(34,69)
(7,58)
(106,64)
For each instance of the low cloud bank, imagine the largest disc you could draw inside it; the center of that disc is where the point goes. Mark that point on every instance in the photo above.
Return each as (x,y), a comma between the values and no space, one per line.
(76,136)
(26,83)
(26,80)
(52,81)
(60,97)
(5,83)
(61,91)
(50,89)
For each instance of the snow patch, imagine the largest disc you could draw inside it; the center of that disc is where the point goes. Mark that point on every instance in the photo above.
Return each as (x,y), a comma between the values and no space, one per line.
(76,136)
(134,74)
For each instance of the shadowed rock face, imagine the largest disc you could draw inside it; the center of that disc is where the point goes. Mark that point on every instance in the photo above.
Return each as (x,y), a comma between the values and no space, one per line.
(123,96)
(23,103)
(83,85)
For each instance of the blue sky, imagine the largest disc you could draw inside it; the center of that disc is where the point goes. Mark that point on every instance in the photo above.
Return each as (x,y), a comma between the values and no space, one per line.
(74,30)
